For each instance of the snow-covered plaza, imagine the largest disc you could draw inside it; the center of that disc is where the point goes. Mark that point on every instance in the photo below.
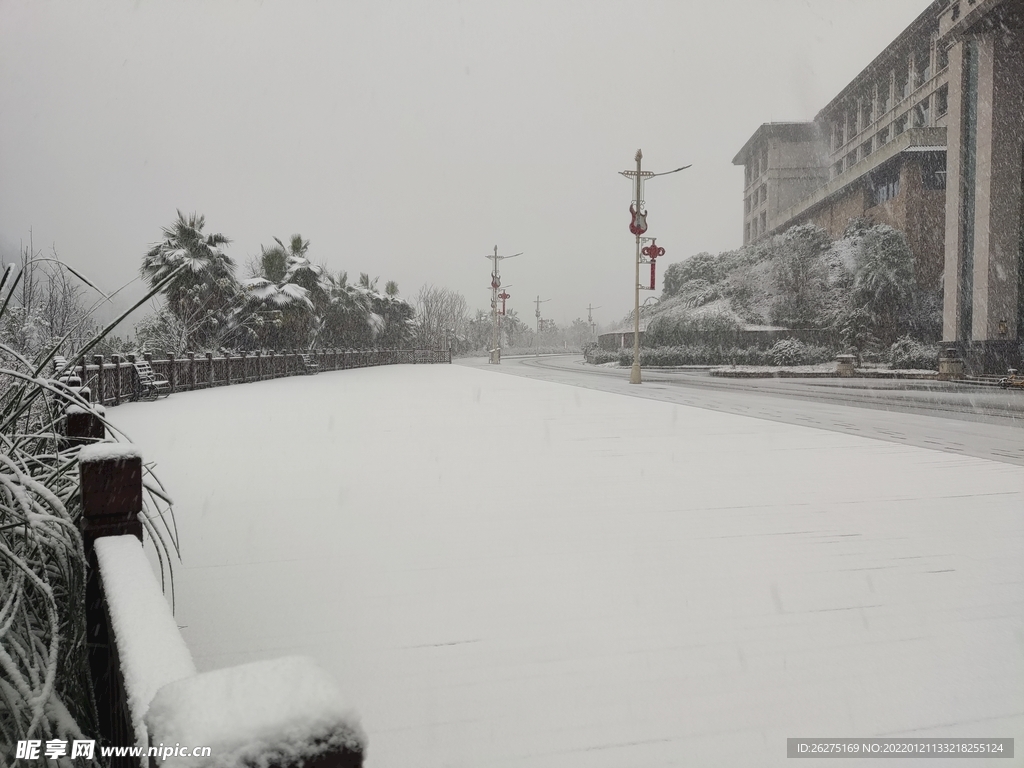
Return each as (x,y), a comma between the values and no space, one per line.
(508,572)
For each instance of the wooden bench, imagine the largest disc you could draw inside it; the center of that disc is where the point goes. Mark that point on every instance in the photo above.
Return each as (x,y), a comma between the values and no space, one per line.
(309,364)
(149,386)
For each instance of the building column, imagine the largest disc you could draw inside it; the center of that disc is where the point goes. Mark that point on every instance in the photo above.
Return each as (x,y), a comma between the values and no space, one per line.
(997,230)
(953,292)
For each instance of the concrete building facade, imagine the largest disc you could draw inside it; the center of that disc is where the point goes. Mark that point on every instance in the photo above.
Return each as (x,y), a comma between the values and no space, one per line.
(983,311)
(928,139)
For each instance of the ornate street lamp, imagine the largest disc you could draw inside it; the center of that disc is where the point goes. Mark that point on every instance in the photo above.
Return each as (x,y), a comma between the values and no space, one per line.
(637,226)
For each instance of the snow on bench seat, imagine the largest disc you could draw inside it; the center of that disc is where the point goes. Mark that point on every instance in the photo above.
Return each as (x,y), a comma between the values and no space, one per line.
(279,712)
(151,650)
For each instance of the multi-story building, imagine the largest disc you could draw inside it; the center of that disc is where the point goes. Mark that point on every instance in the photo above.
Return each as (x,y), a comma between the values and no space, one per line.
(783,164)
(878,152)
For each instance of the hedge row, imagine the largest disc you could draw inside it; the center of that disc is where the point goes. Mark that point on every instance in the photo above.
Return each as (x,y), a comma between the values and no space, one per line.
(785,352)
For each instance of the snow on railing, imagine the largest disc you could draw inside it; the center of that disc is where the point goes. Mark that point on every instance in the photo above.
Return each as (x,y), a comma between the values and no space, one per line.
(273,713)
(115,381)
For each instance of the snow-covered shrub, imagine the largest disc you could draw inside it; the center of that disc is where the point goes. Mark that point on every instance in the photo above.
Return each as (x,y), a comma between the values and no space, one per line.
(596,356)
(696,354)
(907,352)
(45,687)
(885,283)
(703,266)
(801,275)
(795,352)
(679,325)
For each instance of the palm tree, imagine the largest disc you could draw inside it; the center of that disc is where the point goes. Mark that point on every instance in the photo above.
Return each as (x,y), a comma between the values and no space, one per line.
(185,244)
(205,286)
(288,295)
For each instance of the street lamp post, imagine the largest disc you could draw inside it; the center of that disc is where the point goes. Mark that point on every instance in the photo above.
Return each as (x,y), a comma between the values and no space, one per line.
(538,302)
(638,225)
(495,355)
(590,320)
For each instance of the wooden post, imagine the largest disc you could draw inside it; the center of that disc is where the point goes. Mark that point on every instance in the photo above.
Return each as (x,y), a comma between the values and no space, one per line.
(209,368)
(259,365)
(110,477)
(97,360)
(191,369)
(172,371)
(111,488)
(81,427)
(273,364)
(117,379)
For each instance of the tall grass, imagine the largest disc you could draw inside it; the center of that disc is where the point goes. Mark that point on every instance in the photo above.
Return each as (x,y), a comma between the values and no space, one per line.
(45,687)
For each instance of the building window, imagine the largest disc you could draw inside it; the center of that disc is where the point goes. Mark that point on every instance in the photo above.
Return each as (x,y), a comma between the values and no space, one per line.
(837,168)
(764,222)
(922,114)
(902,85)
(840,134)
(933,172)
(942,101)
(865,149)
(883,136)
(851,159)
(764,194)
(885,185)
(922,67)
(899,126)
(865,114)
(941,58)
(883,99)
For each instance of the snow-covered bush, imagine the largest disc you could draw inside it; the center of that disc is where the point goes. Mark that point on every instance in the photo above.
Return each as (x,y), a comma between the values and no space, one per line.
(696,354)
(795,352)
(596,356)
(679,325)
(45,688)
(907,352)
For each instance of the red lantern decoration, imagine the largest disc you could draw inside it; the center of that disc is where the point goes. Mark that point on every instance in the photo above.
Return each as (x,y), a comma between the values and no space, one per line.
(652,252)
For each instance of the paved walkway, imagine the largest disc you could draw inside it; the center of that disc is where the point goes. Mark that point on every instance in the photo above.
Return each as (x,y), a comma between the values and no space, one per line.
(509,572)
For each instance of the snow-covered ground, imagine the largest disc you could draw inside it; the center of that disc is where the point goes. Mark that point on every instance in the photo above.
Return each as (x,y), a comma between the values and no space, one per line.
(503,571)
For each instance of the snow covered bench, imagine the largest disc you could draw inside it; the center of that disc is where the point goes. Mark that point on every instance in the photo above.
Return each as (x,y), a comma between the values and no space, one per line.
(149,386)
(276,713)
(309,364)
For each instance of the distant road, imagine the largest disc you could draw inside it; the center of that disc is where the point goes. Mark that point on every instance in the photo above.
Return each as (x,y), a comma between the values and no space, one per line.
(984,422)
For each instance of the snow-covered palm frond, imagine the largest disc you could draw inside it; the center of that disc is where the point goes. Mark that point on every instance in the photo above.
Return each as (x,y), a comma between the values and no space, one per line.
(290,292)
(279,295)
(184,244)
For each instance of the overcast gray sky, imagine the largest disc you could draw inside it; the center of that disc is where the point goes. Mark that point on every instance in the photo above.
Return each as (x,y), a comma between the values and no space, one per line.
(406,139)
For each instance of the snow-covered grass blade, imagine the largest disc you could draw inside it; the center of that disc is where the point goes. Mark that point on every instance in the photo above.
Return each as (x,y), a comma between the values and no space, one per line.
(45,688)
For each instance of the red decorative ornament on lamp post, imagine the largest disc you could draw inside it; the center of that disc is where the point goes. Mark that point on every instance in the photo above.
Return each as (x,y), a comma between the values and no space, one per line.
(652,252)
